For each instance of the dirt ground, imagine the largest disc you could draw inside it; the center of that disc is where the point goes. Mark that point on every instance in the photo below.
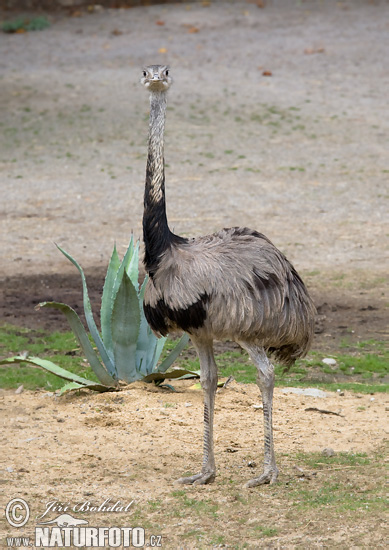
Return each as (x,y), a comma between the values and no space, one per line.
(278,120)
(133,445)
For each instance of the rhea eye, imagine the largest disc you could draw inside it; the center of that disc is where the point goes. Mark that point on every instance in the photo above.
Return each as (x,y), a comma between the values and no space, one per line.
(144,74)
(167,72)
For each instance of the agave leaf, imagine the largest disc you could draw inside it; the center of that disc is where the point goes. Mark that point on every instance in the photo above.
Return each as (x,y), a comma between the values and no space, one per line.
(49,366)
(125,329)
(143,288)
(122,269)
(147,341)
(169,360)
(172,374)
(82,337)
(149,347)
(90,320)
(71,386)
(154,357)
(145,345)
(107,302)
(132,267)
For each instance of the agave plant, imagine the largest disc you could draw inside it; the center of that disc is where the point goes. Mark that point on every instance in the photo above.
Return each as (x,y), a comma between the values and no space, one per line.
(128,350)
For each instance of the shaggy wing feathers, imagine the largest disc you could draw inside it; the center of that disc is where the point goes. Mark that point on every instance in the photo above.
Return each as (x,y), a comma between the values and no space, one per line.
(198,281)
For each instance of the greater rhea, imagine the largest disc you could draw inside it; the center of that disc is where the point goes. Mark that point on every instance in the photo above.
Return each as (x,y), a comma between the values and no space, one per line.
(234,284)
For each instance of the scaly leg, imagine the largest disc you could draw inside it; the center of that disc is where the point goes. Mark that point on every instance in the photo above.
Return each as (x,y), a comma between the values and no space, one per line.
(208,380)
(265,381)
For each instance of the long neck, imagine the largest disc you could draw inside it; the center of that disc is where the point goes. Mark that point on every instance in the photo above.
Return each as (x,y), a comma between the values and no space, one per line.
(156,233)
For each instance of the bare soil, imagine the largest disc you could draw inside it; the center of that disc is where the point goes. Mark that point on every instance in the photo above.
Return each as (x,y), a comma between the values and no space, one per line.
(133,445)
(278,120)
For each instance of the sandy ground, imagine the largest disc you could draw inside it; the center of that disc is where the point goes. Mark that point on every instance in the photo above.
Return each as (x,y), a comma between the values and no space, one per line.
(300,155)
(133,445)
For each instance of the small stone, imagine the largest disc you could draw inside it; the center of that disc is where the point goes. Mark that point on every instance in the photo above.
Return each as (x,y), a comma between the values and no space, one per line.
(329,361)
(9,469)
(328,452)
(251,464)
(188,404)
(257,407)
(20,389)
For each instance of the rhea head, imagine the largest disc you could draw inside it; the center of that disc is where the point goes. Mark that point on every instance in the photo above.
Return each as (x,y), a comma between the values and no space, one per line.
(156,78)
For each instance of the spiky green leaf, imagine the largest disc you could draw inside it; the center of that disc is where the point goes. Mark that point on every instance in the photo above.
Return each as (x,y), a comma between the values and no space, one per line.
(132,267)
(71,386)
(125,329)
(169,360)
(107,302)
(143,288)
(82,337)
(89,318)
(122,268)
(49,366)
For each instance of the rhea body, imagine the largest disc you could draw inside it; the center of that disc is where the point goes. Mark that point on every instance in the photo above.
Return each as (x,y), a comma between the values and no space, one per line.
(234,284)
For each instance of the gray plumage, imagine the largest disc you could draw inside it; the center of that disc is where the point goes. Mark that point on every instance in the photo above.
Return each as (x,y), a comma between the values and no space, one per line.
(234,284)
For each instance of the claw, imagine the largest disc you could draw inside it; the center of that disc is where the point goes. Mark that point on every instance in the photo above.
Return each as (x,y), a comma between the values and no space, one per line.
(269,476)
(198,479)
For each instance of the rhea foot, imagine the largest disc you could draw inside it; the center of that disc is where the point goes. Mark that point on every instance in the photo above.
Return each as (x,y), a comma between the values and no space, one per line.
(268,476)
(198,479)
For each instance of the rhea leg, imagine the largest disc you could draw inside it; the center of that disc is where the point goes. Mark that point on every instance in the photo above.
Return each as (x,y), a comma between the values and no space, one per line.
(265,381)
(208,380)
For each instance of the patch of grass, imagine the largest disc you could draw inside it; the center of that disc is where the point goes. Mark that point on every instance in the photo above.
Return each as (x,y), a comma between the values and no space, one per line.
(154,504)
(365,369)
(265,531)
(203,508)
(24,24)
(60,347)
(317,460)
(341,485)
(335,495)
(362,370)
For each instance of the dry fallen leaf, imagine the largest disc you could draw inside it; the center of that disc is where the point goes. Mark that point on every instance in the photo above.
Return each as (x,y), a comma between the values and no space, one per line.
(267,73)
(160,23)
(162,50)
(193,30)
(116,32)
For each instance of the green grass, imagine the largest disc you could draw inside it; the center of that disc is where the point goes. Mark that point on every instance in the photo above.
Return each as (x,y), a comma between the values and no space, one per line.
(23,24)
(60,347)
(318,461)
(363,369)
(340,496)
(200,507)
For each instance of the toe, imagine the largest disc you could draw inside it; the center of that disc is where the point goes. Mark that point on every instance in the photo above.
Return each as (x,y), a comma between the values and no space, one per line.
(267,477)
(198,479)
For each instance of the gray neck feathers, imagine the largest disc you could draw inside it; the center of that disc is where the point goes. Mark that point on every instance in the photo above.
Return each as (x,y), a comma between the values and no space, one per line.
(155,161)
(156,233)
